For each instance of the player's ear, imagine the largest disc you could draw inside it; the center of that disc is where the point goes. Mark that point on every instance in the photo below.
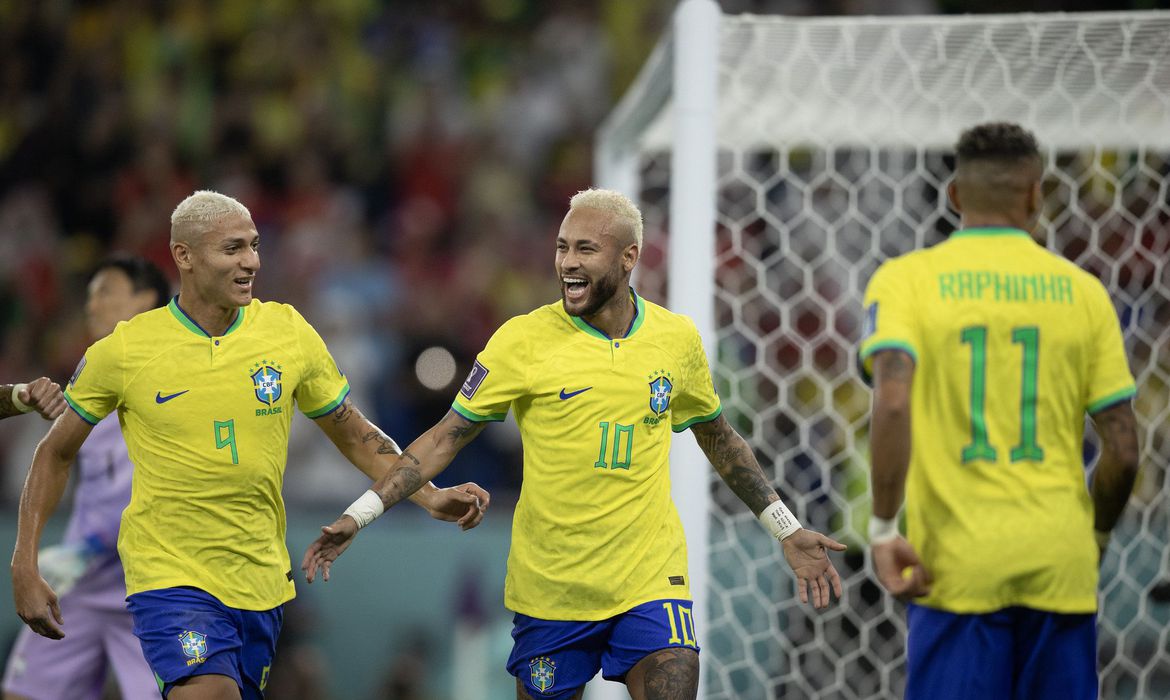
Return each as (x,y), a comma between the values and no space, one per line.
(1035,201)
(181,253)
(953,196)
(630,257)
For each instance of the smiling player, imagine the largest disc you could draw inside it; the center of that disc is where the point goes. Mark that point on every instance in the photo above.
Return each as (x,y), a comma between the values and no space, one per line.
(597,573)
(204,388)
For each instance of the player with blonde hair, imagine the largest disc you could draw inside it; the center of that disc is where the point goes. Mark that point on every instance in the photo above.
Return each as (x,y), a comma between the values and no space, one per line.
(599,382)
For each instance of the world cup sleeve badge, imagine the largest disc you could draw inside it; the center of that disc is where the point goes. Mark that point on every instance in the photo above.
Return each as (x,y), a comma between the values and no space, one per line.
(543,673)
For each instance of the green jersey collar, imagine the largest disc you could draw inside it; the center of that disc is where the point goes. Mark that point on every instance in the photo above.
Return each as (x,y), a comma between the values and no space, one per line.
(635,323)
(189,323)
(990,231)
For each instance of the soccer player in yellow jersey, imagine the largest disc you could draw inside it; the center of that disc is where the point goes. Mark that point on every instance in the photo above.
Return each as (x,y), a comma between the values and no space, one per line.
(597,572)
(204,389)
(986,352)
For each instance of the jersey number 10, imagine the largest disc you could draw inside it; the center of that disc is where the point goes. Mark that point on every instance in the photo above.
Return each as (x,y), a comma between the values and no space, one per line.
(980,448)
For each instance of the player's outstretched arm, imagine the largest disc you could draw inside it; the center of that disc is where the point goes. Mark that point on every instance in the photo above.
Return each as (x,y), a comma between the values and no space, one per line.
(805,550)
(1117,467)
(372,451)
(424,459)
(35,601)
(42,395)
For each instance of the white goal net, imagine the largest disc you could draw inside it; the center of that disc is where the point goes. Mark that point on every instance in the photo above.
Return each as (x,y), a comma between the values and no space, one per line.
(834,140)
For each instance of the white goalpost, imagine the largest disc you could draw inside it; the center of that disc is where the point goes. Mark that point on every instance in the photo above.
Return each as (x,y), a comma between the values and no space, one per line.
(778,161)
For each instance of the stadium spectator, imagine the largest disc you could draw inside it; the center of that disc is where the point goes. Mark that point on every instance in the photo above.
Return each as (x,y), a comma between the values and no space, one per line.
(986,352)
(84,569)
(205,389)
(597,573)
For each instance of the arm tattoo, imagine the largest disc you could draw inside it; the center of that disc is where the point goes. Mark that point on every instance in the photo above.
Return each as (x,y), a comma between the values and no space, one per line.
(672,674)
(411,458)
(403,481)
(736,464)
(386,446)
(343,412)
(463,431)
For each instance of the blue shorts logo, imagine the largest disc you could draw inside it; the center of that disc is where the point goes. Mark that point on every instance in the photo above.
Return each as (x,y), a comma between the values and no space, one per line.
(660,390)
(266,381)
(194,646)
(543,673)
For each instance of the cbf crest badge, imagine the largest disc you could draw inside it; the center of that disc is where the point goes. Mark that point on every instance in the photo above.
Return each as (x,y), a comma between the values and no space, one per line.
(194,646)
(661,385)
(543,673)
(266,381)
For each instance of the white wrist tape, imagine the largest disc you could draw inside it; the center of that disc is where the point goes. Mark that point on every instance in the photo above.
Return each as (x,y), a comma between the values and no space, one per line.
(882,530)
(20,405)
(365,509)
(779,521)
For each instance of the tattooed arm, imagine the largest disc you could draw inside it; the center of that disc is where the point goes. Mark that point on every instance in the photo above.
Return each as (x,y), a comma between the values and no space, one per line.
(735,462)
(376,454)
(423,460)
(1118,465)
(889,430)
(804,550)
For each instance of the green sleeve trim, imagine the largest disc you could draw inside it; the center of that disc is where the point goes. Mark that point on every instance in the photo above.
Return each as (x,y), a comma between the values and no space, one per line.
(476,417)
(698,419)
(85,415)
(1115,398)
(868,351)
(331,406)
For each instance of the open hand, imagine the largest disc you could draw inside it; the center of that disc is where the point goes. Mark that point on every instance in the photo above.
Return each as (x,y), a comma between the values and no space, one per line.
(464,504)
(334,540)
(806,553)
(890,560)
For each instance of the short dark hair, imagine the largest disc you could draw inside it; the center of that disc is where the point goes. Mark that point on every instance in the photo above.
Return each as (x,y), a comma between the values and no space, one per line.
(143,274)
(996,141)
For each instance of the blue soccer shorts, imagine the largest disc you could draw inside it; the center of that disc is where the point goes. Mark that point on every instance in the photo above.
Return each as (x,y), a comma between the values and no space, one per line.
(187,632)
(553,658)
(1011,654)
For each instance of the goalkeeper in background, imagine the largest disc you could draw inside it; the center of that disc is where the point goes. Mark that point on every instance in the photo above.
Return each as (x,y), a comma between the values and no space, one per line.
(985,353)
(597,571)
(85,569)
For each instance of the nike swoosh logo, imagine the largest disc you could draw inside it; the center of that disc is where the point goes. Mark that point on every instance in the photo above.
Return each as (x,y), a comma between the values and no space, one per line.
(571,394)
(159,398)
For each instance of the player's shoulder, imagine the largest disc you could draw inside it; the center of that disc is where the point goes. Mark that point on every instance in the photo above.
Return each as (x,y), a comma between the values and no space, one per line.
(660,319)
(273,315)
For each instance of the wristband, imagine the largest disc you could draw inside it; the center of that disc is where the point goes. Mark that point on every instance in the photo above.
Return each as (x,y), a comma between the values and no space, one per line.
(882,530)
(779,521)
(365,509)
(1102,538)
(20,405)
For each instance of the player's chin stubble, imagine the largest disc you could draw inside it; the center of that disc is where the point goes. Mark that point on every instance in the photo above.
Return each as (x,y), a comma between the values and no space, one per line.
(600,294)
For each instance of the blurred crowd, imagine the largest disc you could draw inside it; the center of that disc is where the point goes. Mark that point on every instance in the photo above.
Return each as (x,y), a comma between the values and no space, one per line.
(406,164)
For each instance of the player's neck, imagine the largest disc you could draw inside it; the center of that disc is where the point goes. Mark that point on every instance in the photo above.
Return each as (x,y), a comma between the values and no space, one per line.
(974,220)
(615,317)
(212,318)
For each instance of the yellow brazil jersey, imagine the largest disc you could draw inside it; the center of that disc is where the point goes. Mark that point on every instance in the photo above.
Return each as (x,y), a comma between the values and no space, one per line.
(595,531)
(1012,345)
(206,421)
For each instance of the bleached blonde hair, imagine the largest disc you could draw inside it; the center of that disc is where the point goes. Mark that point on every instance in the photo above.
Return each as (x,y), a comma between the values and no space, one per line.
(613,202)
(196,214)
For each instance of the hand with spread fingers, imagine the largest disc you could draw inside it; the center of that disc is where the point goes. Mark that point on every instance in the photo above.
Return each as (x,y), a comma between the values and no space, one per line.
(806,552)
